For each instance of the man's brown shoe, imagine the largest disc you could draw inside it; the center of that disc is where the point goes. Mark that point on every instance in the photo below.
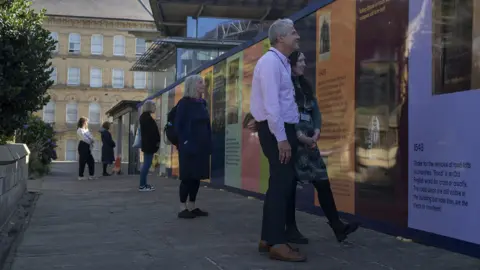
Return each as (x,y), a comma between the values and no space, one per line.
(283,252)
(264,247)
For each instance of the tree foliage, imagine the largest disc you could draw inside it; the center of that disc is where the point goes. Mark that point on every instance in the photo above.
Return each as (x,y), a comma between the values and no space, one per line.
(40,139)
(25,50)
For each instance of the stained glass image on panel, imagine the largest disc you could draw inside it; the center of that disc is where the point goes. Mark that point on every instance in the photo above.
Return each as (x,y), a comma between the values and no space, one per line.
(233,83)
(452,46)
(324,23)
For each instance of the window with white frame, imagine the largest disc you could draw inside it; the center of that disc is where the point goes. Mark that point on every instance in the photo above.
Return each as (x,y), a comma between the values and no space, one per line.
(118,78)
(49,112)
(95,77)
(53,75)
(139,80)
(74,43)
(71,150)
(94,113)
(97,150)
(96,46)
(72,112)
(54,36)
(73,76)
(119,45)
(140,46)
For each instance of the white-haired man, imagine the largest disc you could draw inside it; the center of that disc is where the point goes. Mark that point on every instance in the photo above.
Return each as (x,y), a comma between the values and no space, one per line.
(273,106)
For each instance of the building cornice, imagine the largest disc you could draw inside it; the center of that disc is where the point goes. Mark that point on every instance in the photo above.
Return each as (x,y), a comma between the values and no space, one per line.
(64,56)
(105,88)
(97,23)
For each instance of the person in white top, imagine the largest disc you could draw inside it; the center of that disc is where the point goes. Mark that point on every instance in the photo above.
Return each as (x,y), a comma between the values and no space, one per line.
(273,107)
(85,145)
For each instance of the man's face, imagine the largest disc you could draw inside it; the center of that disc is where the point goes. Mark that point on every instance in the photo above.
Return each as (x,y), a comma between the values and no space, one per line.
(291,40)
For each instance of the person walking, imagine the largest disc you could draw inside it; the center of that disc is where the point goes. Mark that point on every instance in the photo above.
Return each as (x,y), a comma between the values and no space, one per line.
(192,124)
(150,142)
(272,104)
(85,145)
(309,164)
(108,145)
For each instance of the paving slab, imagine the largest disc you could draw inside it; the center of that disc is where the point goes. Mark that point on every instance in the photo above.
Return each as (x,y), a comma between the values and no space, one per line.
(108,225)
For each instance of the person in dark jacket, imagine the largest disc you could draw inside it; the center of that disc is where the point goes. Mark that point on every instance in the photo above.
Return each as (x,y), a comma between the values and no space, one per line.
(108,145)
(192,124)
(150,137)
(309,164)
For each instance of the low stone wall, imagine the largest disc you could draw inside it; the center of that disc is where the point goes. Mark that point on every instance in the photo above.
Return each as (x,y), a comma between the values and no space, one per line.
(13,177)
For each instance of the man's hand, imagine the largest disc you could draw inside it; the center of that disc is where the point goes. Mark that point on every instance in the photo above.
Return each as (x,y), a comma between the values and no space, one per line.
(284,151)
(252,125)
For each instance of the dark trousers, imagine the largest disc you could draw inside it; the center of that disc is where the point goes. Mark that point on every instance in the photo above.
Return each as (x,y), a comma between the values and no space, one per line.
(189,189)
(105,165)
(85,158)
(280,184)
(291,225)
(326,200)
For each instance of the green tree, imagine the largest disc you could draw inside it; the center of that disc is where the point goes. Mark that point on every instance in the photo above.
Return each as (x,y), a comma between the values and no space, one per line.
(40,139)
(25,50)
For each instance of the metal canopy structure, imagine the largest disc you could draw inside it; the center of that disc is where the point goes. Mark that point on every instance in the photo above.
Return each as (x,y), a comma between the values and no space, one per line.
(171,15)
(162,54)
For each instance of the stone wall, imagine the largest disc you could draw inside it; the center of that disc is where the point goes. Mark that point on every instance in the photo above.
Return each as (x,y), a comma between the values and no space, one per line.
(13,177)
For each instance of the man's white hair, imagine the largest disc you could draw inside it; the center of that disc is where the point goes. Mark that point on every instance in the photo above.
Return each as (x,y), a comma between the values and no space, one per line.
(279,28)
(191,86)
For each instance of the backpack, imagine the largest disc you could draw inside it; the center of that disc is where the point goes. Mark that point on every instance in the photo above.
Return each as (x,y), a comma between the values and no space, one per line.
(169,129)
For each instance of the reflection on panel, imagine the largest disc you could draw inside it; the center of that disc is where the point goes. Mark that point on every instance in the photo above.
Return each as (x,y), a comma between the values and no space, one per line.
(394,80)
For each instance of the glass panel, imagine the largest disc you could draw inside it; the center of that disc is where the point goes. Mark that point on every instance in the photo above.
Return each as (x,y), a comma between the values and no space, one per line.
(73,76)
(74,43)
(72,112)
(94,113)
(118,45)
(118,78)
(97,44)
(140,47)
(96,77)
(190,59)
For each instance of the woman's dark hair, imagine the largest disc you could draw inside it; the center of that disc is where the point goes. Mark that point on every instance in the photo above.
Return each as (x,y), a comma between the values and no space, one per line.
(81,122)
(305,89)
(106,125)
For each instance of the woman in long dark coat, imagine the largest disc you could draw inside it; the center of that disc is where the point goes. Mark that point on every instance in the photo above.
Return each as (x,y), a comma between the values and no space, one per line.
(108,145)
(192,124)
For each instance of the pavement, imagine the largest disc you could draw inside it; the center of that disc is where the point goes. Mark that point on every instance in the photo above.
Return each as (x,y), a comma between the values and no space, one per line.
(108,225)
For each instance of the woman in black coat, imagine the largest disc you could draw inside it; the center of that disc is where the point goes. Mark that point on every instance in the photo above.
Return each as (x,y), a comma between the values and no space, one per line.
(192,124)
(107,147)
(150,137)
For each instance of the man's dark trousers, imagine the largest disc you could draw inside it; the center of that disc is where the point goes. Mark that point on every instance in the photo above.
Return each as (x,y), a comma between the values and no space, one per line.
(280,184)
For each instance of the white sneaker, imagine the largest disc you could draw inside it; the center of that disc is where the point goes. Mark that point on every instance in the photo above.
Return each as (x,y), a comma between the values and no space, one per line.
(82,178)
(146,188)
(92,178)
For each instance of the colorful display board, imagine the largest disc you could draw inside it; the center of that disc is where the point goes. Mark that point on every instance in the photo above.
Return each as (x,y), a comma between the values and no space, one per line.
(395,84)
(443,102)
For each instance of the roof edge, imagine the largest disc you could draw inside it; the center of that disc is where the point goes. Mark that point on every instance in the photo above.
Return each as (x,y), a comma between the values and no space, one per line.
(99,18)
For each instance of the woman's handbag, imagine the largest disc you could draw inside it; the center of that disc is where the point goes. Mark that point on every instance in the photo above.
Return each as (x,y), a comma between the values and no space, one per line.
(137,143)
